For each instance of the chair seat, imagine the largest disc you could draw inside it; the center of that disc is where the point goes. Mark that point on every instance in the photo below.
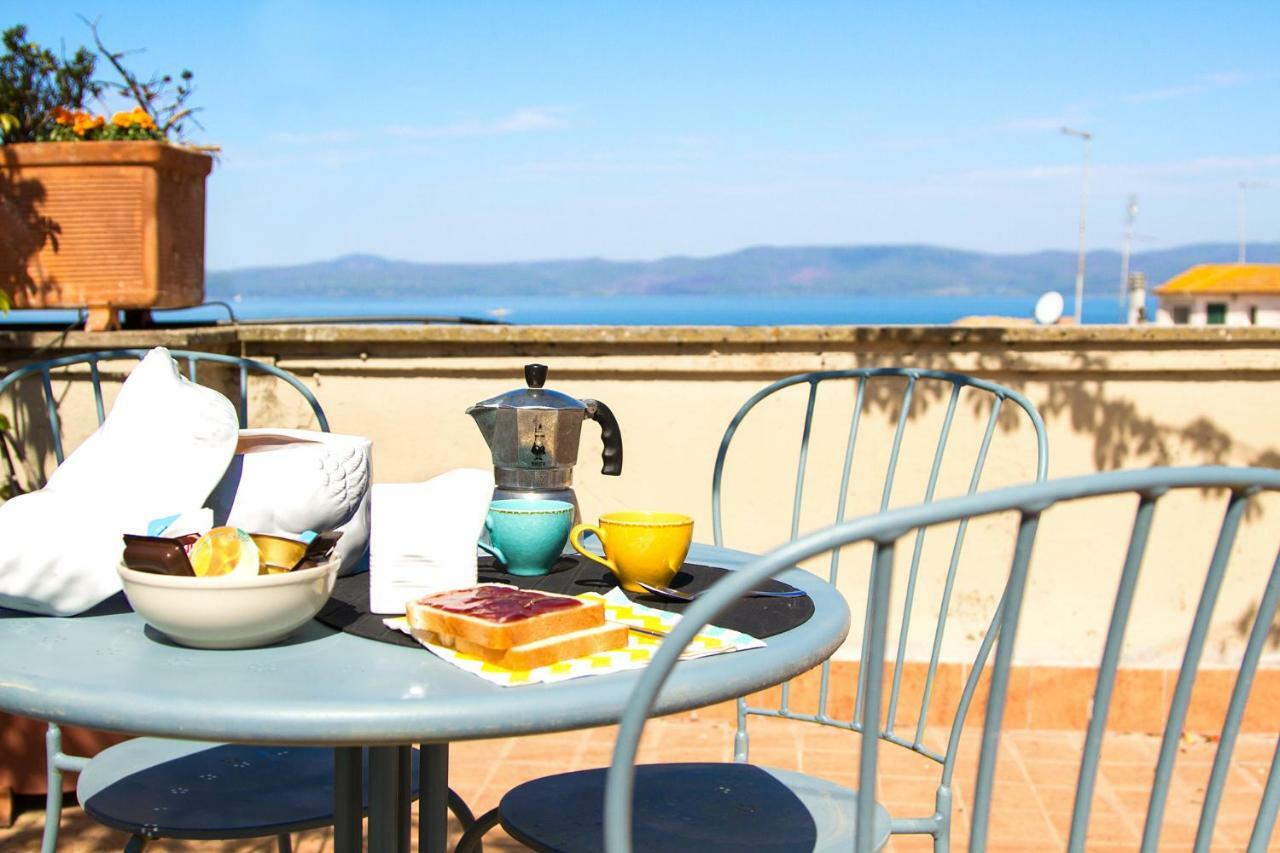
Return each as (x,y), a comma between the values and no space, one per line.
(164,788)
(703,808)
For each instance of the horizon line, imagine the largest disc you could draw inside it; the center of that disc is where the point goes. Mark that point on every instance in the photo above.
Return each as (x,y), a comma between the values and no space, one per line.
(718,255)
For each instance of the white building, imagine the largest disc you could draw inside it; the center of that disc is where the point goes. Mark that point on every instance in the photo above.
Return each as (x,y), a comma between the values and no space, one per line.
(1221,295)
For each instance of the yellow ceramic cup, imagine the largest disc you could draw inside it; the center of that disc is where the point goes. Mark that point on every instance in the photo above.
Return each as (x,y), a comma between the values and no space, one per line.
(639,546)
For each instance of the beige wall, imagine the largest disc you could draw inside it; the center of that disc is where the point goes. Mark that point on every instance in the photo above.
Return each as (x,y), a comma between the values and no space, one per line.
(1111,397)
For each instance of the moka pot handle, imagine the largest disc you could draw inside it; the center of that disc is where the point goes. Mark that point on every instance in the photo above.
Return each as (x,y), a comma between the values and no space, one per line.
(610,434)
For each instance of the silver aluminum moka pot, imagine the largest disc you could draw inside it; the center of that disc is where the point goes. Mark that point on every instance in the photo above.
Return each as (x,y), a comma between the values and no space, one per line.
(533,434)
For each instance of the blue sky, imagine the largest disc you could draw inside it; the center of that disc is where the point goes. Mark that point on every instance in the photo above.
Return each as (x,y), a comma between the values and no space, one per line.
(527,130)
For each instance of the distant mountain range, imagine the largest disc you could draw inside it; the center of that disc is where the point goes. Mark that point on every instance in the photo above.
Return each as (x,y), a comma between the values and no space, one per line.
(763,270)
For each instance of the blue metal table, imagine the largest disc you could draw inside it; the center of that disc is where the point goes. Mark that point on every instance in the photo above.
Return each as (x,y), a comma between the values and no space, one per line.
(320,687)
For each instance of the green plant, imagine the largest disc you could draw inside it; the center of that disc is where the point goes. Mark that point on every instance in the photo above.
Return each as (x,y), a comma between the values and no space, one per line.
(43,97)
(162,98)
(34,81)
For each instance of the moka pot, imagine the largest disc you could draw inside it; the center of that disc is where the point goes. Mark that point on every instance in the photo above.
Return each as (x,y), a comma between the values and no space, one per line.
(533,435)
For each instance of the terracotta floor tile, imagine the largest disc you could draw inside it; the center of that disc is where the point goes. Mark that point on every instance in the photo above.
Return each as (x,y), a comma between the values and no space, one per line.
(907,796)
(1103,829)
(1034,786)
(1255,749)
(1017,796)
(1030,827)
(1050,772)
(1125,746)
(1051,745)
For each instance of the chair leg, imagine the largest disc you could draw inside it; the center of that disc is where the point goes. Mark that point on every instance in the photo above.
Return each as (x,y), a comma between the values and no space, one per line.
(461,810)
(471,839)
(135,844)
(942,835)
(53,789)
(284,842)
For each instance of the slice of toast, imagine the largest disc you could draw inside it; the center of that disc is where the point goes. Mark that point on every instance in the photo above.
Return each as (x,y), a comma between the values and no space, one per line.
(545,652)
(500,616)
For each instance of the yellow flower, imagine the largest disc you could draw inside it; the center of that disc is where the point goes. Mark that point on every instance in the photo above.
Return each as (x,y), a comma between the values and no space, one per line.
(141,119)
(63,116)
(136,117)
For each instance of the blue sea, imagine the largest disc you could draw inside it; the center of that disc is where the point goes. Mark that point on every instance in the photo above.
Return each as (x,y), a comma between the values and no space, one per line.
(624,310)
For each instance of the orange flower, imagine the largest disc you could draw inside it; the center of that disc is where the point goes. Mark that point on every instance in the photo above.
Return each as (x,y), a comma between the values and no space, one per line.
(63,116)
(85,123)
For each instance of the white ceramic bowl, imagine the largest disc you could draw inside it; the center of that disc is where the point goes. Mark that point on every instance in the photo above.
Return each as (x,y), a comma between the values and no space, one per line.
(227,612)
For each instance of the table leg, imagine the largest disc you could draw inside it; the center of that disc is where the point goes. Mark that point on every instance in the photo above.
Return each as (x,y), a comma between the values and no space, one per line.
(389,816)
(348,802)
(405,782)
(433,799)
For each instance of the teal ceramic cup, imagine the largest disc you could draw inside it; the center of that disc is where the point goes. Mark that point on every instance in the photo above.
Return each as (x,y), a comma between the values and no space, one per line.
(527,536)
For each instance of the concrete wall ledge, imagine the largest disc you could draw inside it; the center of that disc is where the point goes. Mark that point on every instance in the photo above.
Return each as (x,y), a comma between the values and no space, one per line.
(1022,334)
(742,351)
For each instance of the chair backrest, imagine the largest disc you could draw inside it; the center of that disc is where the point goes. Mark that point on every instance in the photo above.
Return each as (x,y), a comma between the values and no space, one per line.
(909,391)
(886,532)
(188,360)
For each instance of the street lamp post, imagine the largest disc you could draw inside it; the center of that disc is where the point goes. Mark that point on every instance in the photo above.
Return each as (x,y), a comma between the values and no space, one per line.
(1085,136)
(1130,214)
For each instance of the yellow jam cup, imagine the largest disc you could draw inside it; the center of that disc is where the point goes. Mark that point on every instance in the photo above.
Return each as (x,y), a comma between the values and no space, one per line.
(639,546)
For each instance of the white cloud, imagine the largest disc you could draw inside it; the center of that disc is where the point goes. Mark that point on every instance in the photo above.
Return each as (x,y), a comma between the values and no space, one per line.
(599,166)
(523,120)
(1210,165)
(1201,84)
(1004,127)
(326,137)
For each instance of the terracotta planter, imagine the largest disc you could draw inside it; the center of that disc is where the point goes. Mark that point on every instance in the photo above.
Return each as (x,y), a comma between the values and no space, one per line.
(102,226)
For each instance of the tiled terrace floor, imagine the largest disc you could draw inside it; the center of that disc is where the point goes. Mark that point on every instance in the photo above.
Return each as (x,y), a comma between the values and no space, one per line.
(1036,777)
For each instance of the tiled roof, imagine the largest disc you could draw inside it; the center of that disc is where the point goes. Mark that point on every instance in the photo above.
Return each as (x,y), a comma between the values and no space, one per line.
(1225,278)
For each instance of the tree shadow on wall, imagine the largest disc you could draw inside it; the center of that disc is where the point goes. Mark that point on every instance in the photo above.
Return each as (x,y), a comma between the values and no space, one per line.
(24,231)
(1122,434)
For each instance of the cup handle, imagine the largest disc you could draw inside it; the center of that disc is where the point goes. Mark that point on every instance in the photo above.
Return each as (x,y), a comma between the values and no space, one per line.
(581,530)
(492,549)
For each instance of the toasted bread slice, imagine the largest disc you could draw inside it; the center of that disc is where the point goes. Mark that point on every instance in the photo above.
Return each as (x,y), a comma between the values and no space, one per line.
(543,652)
(500,616)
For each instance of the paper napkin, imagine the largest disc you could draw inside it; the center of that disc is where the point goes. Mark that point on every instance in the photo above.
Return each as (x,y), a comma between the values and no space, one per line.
(423,536)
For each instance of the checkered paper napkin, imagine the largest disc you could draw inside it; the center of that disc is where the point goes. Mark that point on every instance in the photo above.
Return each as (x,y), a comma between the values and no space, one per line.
(639,650)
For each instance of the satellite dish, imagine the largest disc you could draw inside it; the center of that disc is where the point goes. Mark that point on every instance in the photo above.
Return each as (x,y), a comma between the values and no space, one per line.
(1049,308)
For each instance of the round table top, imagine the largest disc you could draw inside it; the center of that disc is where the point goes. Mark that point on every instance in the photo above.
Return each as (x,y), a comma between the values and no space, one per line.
(107,669)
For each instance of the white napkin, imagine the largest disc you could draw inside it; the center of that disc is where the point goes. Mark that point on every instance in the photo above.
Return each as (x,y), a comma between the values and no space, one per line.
(423,536)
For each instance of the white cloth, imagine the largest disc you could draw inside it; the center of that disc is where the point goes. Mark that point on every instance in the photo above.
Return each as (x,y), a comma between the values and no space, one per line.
(284,482)
(423,536)
(162,448)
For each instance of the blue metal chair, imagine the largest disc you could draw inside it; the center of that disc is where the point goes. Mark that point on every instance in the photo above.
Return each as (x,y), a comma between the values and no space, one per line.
(48,404)
(900,386)
(625,789)
(885,385)
(125,785)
